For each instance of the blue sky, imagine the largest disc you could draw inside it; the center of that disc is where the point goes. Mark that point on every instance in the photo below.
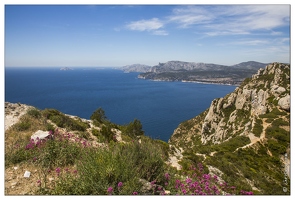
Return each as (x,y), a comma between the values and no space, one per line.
(118,35)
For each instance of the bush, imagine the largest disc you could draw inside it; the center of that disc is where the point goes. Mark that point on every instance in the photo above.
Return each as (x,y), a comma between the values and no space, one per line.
(106,131)
(258,128)
(102,169)
(63,121)
(133,129)
(49,127)
(34,113)
(46,153)
(22,125)
(98,116)
(83,134)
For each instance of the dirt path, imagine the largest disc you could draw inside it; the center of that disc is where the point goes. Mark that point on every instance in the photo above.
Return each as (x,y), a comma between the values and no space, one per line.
(255,139)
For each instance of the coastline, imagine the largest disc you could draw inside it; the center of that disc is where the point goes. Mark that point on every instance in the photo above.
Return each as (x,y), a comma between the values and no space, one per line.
(185,81)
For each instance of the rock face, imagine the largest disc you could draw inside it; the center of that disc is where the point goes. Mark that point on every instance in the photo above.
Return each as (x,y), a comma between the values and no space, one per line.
(245,133)
(284,103)
(202,72)
(236,112)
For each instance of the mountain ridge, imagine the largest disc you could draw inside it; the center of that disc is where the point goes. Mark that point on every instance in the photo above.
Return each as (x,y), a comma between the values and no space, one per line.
(254,122)
(197,72)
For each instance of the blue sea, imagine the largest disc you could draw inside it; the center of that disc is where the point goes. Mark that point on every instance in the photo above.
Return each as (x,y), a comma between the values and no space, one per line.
(160,106)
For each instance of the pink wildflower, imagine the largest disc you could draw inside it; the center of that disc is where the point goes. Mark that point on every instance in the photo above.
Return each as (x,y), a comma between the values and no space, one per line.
(120,184)
(110,190)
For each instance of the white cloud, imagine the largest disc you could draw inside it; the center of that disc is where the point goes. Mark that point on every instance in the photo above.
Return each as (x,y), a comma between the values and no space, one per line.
(240,19)
(220,20)
(160,32)
(251,42)
(145,25)
(186,16)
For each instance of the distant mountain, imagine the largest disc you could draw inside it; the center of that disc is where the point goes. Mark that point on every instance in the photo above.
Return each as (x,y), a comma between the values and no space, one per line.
(250,65)
(65,69)
(202,72)
(136,68)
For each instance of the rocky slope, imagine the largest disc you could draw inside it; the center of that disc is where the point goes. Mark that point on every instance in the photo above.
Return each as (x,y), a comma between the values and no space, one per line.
(202,72)
(254,120)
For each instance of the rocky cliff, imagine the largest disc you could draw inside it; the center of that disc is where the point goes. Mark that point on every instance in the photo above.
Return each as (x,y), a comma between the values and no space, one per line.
(136,68)
(202,72)
(254,118)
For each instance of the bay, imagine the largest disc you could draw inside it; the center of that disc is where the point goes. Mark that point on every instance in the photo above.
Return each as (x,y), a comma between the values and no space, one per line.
(160,106)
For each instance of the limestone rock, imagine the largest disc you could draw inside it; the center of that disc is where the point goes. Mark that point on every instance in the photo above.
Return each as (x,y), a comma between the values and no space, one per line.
(40,135)
(277,90)
(284,103)
(149,188)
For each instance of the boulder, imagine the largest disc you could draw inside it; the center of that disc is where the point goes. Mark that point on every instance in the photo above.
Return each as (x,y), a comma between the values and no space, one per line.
(40,134)
(284,103)
(277,90)
(150,188)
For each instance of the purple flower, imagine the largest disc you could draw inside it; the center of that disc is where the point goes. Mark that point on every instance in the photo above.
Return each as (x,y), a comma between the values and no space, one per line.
(57,170)
(188,180)
(135,193)
(167,176)
(183,191)
(110,190)
(120,184)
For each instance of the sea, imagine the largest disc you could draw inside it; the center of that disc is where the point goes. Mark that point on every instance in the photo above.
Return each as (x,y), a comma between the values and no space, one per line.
(160,106)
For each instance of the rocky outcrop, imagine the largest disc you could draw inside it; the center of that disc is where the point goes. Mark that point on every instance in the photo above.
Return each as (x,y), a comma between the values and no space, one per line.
(237,112)
(40,135)
(13,112)
(284,103)
(244,136)
(202,72)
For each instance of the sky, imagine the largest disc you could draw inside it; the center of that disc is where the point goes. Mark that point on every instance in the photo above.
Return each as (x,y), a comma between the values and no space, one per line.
(117,35)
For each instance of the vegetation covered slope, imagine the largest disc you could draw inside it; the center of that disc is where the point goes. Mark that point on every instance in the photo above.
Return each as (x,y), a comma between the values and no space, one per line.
(240,145)
(244,136)
(94,157)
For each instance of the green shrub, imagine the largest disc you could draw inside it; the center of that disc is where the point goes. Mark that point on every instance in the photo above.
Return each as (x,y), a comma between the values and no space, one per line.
(133,129)
(106,131)
(258,128)
(34,113)
(83,134)
(22,125)
(63,121)
(49,127)
(101,168)
(95,132)
(280,122)
(98,116)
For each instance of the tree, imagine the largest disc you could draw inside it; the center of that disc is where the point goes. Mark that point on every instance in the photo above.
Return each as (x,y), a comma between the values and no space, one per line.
(98,116)
(135,128)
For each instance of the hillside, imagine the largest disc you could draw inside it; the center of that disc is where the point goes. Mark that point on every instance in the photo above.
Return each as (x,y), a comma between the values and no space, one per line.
(51,153)
(202,72)
(240,145)
(244,136)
